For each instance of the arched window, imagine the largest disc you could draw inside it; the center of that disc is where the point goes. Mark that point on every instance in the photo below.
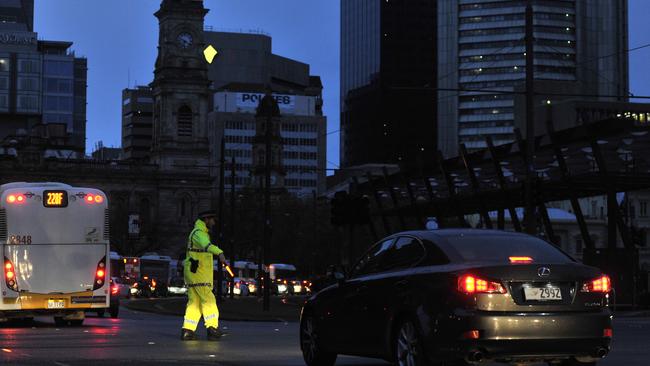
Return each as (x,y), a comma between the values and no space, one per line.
(184,122)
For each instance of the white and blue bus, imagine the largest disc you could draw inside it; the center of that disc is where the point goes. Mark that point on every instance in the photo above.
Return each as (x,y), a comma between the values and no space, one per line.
(54,239)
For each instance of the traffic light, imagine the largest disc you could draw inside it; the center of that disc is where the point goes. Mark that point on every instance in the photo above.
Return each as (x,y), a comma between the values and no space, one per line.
(339,210)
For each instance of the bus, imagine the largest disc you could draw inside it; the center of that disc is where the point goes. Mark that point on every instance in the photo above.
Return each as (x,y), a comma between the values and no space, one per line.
(282,277)
(55,242)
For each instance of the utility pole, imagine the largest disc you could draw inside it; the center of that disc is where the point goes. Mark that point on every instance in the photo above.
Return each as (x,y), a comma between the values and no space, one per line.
(314,239)
(267,210)
(529,212)
(222,184)
(231,237)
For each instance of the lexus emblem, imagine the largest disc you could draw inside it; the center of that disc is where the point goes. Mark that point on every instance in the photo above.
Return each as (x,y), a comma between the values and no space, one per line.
(544,272)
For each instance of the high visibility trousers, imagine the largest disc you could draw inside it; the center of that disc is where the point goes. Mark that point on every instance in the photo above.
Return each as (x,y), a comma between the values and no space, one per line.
(201,302)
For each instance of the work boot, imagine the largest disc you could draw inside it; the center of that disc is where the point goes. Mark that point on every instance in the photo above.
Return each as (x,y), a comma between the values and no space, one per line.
(187,335)
(215,334)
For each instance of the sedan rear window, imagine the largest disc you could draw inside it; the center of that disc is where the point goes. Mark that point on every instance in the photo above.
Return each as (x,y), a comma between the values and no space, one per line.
(499,249)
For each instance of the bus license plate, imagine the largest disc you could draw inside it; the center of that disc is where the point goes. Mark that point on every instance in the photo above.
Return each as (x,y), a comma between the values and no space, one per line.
(55,304)
(543,293)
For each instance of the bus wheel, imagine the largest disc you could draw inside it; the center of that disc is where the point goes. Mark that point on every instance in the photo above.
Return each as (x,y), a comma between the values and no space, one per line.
(115,311)
(60,322)
(76,322)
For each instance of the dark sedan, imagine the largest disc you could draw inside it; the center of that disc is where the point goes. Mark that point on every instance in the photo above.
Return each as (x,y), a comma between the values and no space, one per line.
(461,296)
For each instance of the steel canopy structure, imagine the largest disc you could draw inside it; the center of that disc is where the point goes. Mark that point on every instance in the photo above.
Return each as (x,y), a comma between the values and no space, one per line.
(601,158)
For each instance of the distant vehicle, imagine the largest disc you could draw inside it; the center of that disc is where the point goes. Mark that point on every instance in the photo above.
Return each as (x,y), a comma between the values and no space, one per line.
(114,307)
(177,286)
(131,267)
(461,296)
(156,267)
(56,251)
(246,272)
(282,277)
(117,265)
(122,287)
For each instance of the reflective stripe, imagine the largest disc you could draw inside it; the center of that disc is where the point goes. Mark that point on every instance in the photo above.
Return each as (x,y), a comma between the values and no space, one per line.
(191,321)
(198,250)
(209,317)
(199,284)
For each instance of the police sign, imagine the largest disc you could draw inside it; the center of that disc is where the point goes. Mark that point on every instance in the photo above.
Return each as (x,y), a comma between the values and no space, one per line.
(252,100)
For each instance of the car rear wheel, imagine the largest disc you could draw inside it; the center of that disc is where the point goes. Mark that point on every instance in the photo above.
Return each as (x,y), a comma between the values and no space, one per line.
(408,347)
(313,354)
(114,311)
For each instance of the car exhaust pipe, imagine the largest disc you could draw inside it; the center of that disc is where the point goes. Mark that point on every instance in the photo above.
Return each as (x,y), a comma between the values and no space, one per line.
(475,356)
(601,352)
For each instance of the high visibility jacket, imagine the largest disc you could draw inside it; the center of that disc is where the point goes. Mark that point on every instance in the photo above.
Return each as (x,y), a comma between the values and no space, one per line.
(200,248)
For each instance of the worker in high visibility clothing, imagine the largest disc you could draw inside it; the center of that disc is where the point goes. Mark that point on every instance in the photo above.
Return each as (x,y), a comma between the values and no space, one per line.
(198,273)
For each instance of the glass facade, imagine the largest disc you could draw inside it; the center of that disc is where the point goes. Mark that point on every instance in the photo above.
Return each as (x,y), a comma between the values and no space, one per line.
(41,82)
(58,92)
(491,55)
(360,43)
(388,73)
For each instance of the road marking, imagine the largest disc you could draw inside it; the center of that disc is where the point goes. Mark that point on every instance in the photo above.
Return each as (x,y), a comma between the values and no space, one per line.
(60,363)
(7,350)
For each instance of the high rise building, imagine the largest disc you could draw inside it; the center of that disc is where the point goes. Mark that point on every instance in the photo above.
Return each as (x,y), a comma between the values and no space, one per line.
(388,76)
(579,50)
(17,15)
(41,82)
(398,56)
(137,120)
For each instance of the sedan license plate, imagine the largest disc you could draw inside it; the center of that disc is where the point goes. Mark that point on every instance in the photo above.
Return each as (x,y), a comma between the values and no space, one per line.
(543,293)
(55,304)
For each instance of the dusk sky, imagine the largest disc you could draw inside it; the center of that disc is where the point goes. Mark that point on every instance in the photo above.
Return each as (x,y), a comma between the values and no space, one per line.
(119,38)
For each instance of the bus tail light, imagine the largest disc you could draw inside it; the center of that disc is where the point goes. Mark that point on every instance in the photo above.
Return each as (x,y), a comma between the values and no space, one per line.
(93,198)
(16,199)
(10,275)
(100,274)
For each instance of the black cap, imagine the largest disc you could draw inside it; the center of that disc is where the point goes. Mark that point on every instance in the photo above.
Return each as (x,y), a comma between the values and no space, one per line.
(207,213)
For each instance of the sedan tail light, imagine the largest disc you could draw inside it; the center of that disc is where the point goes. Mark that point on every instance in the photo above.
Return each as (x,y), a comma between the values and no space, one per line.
(114,290)
(470,284)
(601,284)
(10,275)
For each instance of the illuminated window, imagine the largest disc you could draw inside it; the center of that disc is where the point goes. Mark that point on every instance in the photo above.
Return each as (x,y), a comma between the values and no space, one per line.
(4,64)
(184,121)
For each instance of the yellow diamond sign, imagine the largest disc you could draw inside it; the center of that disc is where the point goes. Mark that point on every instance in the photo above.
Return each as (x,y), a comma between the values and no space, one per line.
(210,53)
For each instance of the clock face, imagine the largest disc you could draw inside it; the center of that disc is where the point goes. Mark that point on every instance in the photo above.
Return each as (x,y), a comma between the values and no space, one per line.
(185,40)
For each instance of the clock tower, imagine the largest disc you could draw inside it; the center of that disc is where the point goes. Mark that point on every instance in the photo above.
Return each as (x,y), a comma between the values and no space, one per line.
(267,131)
(181,87)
